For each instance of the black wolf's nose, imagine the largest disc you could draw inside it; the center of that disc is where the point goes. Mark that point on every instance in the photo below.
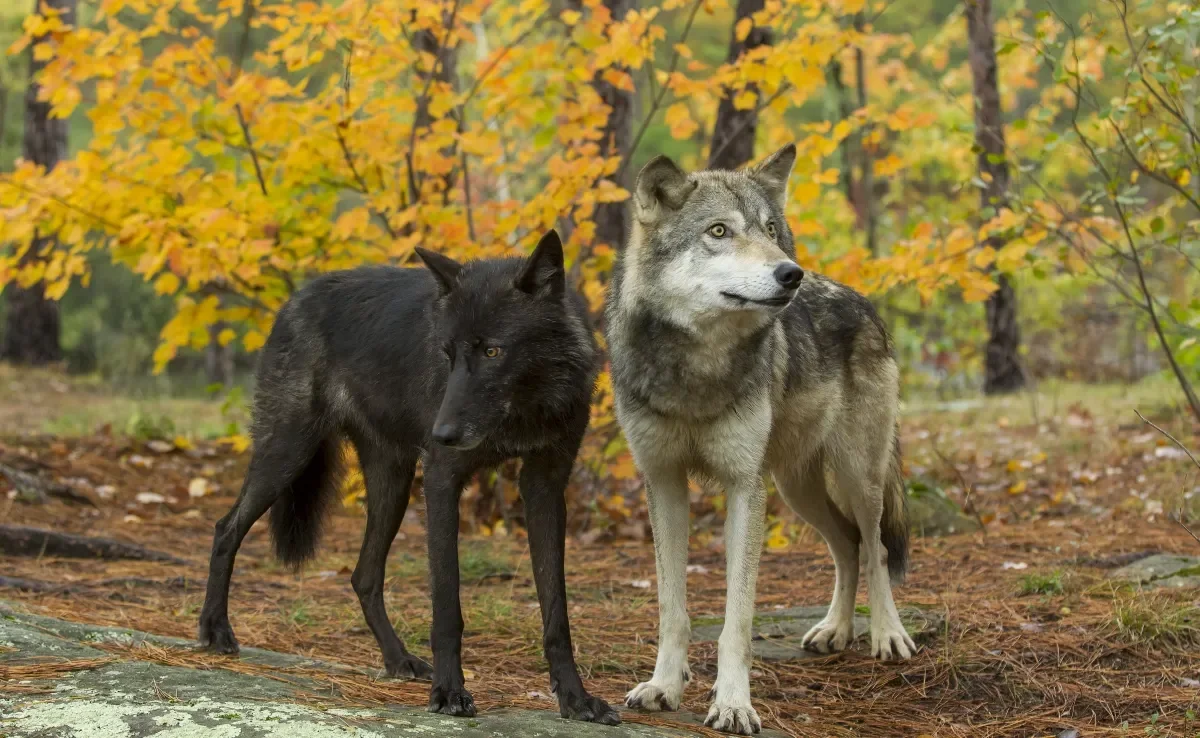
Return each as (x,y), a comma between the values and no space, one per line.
(788,275)
(447,434)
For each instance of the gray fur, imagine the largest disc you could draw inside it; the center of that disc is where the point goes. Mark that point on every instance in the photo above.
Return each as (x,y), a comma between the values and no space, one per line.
(723,371)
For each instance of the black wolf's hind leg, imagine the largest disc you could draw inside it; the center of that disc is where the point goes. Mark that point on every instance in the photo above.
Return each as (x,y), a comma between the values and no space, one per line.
(276,462)
(543,482)
(388,482)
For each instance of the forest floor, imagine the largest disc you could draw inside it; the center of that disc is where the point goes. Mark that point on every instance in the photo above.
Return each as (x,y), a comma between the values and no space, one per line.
(1068,483)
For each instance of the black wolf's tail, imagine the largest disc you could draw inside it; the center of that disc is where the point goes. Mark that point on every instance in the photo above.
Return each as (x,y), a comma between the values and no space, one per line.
(894,526)
(299,514)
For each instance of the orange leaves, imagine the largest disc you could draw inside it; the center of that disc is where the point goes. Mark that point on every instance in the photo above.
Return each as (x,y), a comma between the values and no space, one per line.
(679,119)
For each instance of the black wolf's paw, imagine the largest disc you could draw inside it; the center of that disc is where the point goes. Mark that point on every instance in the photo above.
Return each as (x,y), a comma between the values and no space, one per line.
(409,667)
(216,635)
(451,700)
(583,706)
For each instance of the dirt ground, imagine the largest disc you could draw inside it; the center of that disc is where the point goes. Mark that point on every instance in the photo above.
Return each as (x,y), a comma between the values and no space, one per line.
(1069,484)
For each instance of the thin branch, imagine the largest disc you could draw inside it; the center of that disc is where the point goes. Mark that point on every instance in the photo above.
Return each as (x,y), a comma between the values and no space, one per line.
(240,60)
(968,487)
(258,172)
(466,181)
(495,62)
(362,184)
(662,92)
(1170,437)
(423,98)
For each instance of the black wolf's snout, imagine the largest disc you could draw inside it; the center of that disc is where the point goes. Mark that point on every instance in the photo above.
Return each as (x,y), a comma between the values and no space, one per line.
(788,275)
(447,434)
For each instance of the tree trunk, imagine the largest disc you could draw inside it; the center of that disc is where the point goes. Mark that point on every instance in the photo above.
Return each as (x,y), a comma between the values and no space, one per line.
(218,359)
(612,218)
(31,335)
(866,160)
(445,71)
(735,130)
(1003,372)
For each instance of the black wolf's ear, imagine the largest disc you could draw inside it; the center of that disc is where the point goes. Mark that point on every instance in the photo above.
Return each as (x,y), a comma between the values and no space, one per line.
(773,174)
(663,183)
(543,273)
(445,270)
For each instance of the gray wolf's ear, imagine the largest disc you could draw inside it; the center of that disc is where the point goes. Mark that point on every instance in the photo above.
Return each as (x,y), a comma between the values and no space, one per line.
(661,182)
(445,270)
(773,174)
(543,273)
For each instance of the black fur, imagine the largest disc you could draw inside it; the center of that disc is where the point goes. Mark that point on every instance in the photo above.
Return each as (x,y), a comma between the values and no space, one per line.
(462,366)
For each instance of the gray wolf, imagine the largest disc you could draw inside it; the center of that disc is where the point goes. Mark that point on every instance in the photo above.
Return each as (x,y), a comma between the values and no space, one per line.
(728,362)
(462,366)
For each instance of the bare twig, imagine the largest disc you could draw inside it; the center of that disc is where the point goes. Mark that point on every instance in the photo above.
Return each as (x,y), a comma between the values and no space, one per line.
(243,45)
(968,487)
(657,102)
(1172,438)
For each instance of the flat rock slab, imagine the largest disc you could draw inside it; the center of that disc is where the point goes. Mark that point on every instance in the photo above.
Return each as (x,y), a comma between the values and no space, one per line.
(1161,570)
(777,633)
(135,699)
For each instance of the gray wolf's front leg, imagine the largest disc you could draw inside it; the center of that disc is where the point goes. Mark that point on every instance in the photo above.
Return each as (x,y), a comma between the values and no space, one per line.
(667,495)
(731,710)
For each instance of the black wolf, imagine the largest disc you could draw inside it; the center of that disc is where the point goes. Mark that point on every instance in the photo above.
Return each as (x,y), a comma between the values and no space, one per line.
(463,366)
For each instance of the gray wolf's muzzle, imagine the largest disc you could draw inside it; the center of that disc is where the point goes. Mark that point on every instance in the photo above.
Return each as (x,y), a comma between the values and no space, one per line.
(788,276)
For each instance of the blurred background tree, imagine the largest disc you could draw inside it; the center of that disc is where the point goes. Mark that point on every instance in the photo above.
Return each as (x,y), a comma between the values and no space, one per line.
(224,152)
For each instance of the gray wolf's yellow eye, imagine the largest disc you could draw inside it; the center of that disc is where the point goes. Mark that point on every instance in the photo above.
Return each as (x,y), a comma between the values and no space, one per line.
(717,230)
(491,352)
(771,229)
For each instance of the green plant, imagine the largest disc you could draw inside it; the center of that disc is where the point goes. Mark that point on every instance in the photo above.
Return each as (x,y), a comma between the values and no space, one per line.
(1050,583)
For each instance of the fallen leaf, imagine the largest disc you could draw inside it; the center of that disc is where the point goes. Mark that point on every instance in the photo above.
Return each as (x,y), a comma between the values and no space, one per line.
(640,584)
(150,498)
(1018,565)
(198,487)
(160,447)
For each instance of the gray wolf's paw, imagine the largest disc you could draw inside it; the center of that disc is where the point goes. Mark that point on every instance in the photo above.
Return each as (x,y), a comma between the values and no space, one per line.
(451,700)
(216,635)
(829,636)
(589,709)
(655,697)
(890,640)
(738,719)
(409,667)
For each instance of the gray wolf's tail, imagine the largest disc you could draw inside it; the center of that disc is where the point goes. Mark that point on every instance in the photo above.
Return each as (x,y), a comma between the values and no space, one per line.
(299,514)
(894,526)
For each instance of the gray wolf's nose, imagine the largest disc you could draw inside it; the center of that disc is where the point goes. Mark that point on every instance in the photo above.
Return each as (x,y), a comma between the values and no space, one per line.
(788,275)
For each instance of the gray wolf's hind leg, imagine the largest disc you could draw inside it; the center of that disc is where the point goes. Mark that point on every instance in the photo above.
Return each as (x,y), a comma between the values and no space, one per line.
(865,492)
(804,490)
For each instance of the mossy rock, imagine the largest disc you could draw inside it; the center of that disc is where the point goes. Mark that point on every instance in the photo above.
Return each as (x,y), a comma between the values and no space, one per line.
(932,513)
(777,633)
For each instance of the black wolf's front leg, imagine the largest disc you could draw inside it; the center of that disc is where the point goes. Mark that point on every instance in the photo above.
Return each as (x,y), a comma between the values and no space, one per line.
(543,482)
(443,486)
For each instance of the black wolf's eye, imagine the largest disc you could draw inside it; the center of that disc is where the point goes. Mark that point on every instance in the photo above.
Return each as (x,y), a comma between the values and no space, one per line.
(491,352)
(771,229)
(717,230)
